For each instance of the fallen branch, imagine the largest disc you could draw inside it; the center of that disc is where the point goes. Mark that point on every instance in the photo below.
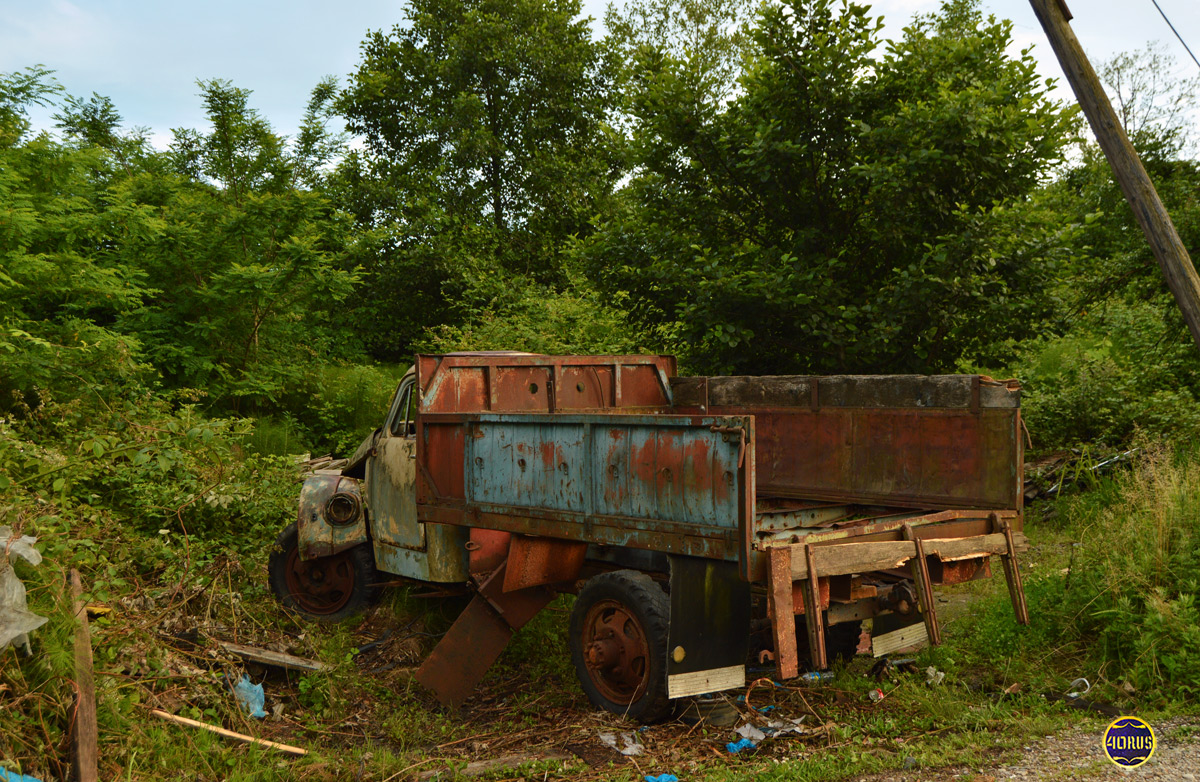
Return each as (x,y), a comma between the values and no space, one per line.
(285,748)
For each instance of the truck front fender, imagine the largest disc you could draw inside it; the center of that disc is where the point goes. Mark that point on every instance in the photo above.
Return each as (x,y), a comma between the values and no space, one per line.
(332,516)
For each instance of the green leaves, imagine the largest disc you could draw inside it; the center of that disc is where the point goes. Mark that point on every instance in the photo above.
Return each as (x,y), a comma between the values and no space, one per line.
(845,211)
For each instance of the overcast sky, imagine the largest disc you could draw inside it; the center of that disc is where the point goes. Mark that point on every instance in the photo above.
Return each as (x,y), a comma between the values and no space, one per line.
(147,54)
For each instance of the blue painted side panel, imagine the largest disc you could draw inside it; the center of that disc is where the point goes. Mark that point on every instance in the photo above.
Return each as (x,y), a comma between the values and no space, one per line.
(674,469)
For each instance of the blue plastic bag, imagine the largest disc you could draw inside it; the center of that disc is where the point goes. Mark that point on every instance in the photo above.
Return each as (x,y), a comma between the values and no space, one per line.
(12,776)
(737,746)
(250,697)
(662,778)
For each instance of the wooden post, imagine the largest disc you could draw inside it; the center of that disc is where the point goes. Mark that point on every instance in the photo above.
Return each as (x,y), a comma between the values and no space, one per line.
(1139,191)
(84,732)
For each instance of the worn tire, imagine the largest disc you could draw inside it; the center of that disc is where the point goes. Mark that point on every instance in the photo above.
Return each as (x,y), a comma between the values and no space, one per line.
(328,589)
(619,644)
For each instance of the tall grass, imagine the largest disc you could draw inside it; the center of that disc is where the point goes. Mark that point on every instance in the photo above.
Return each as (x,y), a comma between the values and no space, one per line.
(1125,610)
(1131,593)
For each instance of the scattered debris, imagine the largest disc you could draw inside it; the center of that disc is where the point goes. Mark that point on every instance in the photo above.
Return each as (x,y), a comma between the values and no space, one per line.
(933,676)
(629,744)
(1074,690)
(876,695)
(749,731)
(250,697)
(888,667)
(16,620)
(285,748)
(277,659)
(816,676)
(735,747)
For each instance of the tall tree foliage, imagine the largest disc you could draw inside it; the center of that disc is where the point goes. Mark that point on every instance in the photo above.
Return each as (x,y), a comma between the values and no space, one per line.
(485,149)
(841,213)
(214,265)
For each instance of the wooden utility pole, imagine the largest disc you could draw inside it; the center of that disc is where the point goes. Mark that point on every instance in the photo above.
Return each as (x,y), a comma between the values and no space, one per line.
(1139,191)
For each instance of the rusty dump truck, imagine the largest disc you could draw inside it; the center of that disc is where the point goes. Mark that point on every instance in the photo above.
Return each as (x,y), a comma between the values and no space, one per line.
(701,522)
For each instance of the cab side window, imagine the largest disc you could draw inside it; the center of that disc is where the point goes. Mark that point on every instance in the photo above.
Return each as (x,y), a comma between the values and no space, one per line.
(402,420)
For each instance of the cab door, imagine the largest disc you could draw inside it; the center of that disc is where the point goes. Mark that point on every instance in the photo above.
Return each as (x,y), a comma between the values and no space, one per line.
(391,476)
(403,545)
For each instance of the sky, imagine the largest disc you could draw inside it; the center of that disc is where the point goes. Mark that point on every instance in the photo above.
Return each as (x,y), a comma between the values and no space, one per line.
(146,55)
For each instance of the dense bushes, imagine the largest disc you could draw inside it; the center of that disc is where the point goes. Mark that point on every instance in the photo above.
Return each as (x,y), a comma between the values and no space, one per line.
(1126,606)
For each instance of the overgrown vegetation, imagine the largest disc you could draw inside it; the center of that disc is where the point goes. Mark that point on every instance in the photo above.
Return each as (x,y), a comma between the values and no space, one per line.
(757,190)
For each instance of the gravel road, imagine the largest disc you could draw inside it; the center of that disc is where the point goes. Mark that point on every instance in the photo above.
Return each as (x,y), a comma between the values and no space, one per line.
(1076,754)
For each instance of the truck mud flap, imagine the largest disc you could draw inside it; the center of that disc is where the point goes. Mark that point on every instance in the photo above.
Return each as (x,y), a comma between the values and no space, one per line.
(797,578)
(709,634)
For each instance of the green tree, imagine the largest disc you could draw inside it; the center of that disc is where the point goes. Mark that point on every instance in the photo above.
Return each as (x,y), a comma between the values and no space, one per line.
(709,38)
(845,211)
(486,148)
(246,272)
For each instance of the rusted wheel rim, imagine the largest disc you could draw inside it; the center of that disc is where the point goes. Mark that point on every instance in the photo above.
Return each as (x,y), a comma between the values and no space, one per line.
(616,651)
(320,586)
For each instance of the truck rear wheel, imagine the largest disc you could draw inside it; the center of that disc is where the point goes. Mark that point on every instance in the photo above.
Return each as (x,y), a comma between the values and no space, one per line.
(619,644)
(329,588)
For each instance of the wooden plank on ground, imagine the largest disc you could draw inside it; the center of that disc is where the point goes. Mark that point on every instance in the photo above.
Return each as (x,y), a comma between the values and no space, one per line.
(85,735)
(278,659)
(479,767)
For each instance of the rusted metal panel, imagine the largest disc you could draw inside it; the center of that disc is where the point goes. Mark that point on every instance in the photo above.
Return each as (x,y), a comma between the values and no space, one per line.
(318,535)
(514,383)
(959,571)
(444,560)
(537,561)
(950,441)
(391,493)
(645,477)
(460,660)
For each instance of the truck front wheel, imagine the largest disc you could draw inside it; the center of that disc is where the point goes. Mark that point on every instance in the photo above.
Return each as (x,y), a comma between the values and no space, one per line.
(619,644)
(325,588)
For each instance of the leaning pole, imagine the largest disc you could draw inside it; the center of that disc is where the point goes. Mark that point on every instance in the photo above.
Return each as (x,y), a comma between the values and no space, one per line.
(1139,191)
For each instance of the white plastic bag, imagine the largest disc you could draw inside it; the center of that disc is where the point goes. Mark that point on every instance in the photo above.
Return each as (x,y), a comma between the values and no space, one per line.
(16,620)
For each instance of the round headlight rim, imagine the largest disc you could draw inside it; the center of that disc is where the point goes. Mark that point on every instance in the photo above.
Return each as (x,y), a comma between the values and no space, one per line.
(350,511)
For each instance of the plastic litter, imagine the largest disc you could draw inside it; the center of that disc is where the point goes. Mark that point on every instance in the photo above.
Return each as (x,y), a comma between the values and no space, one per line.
(628,744)
(12,776)
(735,747)
(933,676)
(876,695)
(16,620)
(816,676)
(662,778)
(749,731)
(1075,686)
(250,697)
